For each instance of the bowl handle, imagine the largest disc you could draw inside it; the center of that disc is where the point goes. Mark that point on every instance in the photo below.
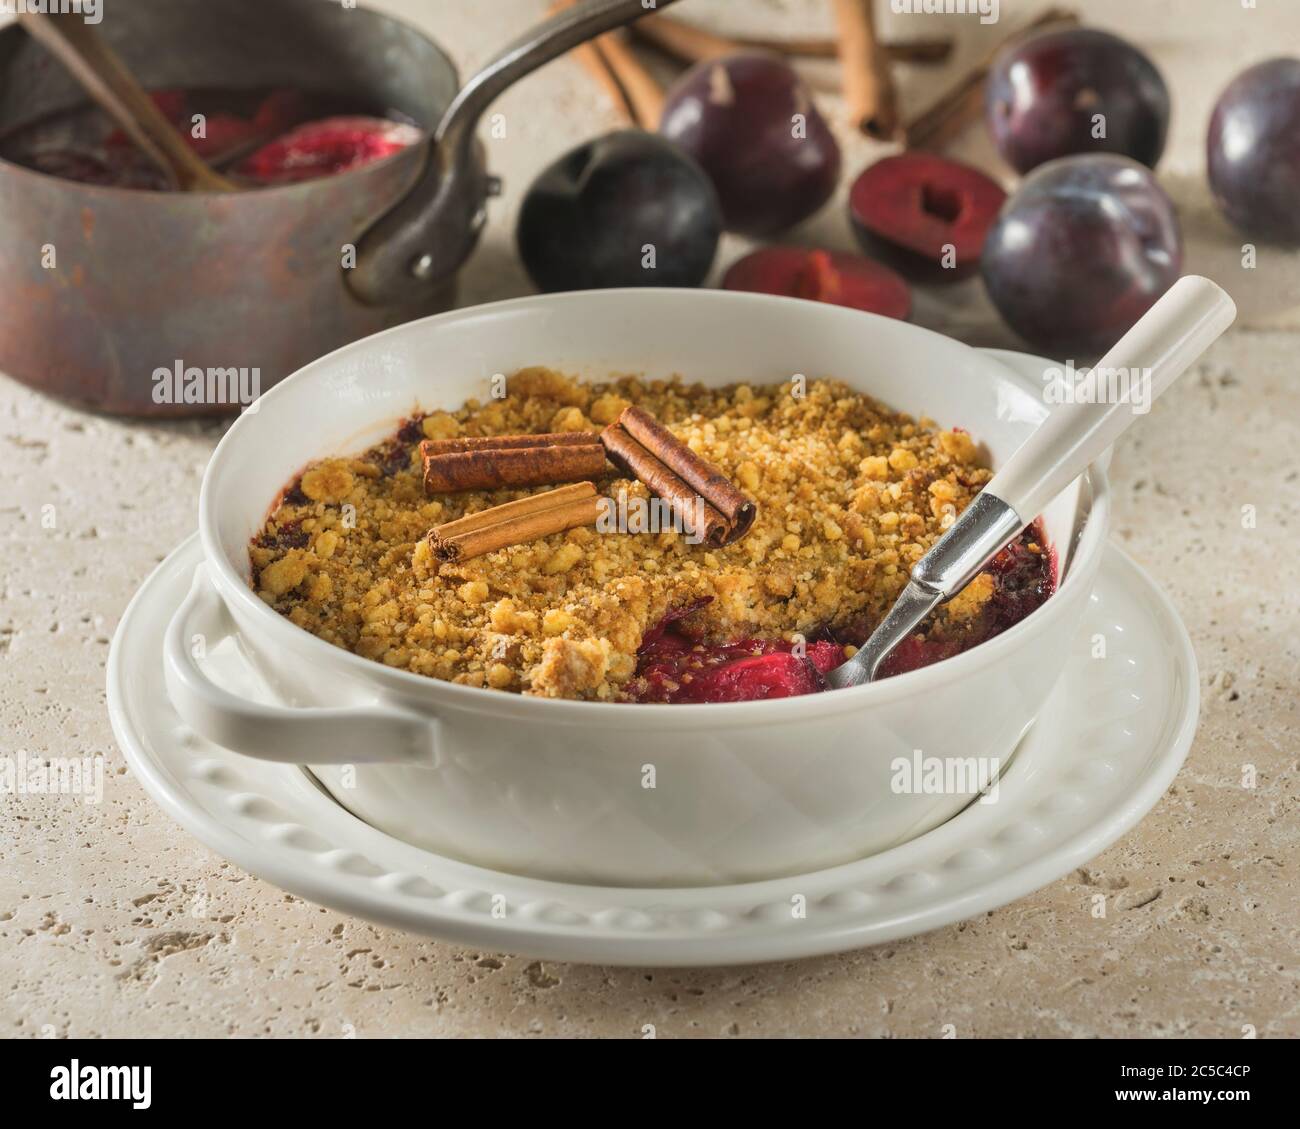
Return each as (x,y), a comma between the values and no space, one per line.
(354,735)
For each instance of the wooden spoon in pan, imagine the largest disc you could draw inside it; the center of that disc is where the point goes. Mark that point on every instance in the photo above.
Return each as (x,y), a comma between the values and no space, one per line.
(103,75)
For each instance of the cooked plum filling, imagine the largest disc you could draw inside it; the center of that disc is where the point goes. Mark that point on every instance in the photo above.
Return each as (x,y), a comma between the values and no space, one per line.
(260,137)
(674,666)
(843,496)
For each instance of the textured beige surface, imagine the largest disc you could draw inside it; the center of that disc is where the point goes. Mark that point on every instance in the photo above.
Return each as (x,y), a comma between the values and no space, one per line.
(114,922)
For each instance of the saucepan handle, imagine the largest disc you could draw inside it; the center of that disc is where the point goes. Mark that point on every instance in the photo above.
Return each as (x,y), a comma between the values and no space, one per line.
(414,247)
(354,735)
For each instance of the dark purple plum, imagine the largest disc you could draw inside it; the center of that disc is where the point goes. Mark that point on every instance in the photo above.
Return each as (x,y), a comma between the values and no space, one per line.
(628,209)
(1254,151)
(750,121)
(1044,95)
(1081,252)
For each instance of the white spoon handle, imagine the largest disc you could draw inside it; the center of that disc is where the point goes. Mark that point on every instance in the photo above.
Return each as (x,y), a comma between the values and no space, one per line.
(1143,363)
(1155,352)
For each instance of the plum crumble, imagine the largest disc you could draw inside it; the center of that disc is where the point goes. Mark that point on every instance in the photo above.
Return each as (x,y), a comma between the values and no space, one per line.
(849,493)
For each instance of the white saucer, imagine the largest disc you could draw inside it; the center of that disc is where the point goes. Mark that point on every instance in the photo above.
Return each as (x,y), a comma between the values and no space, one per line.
(1107,745)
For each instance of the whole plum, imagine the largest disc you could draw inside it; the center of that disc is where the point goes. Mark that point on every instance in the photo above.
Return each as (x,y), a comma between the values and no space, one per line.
(1254,151)
(1080,252)
(750,121)
(1050,96)
(628,209)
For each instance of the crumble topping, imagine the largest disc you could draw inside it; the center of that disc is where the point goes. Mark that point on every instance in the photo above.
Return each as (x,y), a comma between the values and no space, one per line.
(849,493)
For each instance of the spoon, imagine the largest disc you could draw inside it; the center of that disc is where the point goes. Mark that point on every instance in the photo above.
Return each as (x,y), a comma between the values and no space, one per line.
(1160,347)
(108,81)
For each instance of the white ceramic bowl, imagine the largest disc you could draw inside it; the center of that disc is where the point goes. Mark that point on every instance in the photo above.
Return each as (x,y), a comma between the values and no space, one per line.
(557,789)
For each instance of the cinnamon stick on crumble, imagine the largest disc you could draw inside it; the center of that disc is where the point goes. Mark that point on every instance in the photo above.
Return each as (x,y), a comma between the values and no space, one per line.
(641,445)
(492,462)
(515,522)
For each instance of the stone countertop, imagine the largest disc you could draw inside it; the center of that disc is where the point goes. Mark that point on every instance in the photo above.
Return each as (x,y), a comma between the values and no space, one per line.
(114,922)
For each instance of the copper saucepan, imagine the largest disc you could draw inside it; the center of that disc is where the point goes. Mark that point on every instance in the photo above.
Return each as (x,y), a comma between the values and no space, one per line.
(147,280)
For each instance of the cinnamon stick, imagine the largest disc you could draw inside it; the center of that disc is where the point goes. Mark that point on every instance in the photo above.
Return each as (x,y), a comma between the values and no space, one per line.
(948,117)
(642,89)
(638,98)
(494,515)
(598,67)
(712,509)
(456,465)
(702,521)
(962,104)
(684,41)
(486,442)
(923,49)
(693,44)
(515,523)
(868,84)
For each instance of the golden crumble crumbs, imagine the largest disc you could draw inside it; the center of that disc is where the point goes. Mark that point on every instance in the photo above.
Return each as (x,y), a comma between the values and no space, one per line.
(849,496)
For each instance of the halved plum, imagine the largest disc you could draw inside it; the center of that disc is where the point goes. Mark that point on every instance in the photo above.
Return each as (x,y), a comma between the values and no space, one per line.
(926,215)
(822,276)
